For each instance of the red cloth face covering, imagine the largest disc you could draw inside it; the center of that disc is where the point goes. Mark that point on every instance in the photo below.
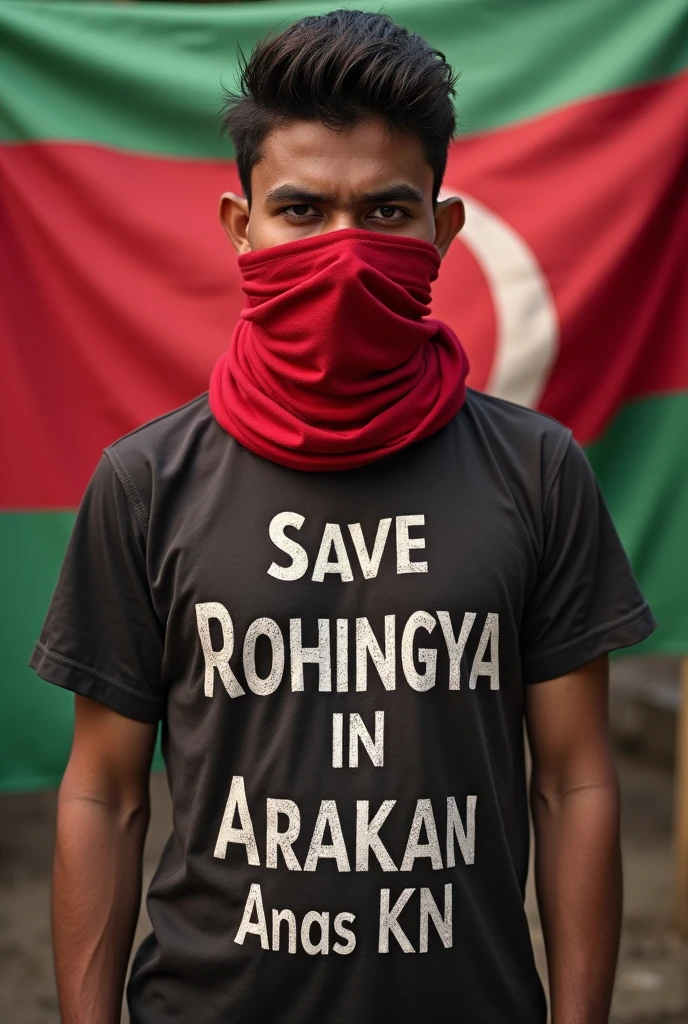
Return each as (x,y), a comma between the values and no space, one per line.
(331,364)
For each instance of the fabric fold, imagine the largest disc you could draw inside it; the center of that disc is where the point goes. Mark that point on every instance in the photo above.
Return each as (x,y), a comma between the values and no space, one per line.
(333,362)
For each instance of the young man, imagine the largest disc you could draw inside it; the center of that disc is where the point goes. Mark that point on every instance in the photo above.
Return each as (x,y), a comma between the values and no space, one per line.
(341,581)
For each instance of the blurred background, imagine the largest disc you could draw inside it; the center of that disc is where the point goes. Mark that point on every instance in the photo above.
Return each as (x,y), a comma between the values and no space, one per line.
(568,287)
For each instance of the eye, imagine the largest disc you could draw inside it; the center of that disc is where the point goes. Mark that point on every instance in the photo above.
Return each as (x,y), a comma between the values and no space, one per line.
(300,210)
(389,213)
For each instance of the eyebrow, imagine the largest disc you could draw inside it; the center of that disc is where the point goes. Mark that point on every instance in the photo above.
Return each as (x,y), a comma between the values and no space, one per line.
(394,194)
(295,194)
(298,194)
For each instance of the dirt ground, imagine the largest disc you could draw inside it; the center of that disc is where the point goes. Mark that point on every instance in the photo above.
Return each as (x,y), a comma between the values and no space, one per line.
(652,985)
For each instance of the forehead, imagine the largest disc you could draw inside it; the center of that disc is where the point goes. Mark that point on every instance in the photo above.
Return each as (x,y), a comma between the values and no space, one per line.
(357,159)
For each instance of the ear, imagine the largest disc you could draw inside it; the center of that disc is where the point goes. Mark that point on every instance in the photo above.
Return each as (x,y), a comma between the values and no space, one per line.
(450,217)
(234,214)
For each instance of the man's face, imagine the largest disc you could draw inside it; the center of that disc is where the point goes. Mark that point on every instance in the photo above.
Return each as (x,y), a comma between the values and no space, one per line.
(312,180)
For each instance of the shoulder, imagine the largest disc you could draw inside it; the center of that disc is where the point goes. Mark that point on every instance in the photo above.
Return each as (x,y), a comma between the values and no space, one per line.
(160,434)
(500,418)
(528,446)
(162,450)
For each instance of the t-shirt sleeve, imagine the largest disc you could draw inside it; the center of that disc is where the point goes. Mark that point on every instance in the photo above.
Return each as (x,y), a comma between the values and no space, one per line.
(101,637)
(585,602)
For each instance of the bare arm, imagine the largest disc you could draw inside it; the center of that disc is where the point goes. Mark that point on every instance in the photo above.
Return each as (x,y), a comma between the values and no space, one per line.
(575,805)
(102,819)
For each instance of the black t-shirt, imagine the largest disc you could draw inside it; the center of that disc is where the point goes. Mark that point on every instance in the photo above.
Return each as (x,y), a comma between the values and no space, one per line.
(339,662)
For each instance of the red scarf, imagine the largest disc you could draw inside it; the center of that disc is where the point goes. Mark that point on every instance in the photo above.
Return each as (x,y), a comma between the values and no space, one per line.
(331,364)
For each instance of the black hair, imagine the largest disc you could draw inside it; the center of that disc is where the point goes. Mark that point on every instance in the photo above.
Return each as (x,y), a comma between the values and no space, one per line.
(340,68)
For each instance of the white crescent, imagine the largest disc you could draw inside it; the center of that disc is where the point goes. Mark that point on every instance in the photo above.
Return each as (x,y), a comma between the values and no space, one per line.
(527,323)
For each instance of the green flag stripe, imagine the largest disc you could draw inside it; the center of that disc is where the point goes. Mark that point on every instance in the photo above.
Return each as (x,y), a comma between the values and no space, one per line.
(146,77)
(37,718)
(643,471)
(644,475)
(36,726)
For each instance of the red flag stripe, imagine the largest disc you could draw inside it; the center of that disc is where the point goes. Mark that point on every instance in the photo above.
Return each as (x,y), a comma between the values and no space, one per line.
(120,288)
(598,192)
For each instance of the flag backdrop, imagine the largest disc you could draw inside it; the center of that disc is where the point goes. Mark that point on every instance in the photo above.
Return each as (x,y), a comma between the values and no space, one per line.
(118,288)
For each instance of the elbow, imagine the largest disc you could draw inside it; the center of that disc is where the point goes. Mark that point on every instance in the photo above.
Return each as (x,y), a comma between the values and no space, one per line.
(548,795)
(127,808)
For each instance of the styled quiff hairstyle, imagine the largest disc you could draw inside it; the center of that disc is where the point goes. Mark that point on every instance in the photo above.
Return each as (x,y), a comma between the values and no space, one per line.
(341,68)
